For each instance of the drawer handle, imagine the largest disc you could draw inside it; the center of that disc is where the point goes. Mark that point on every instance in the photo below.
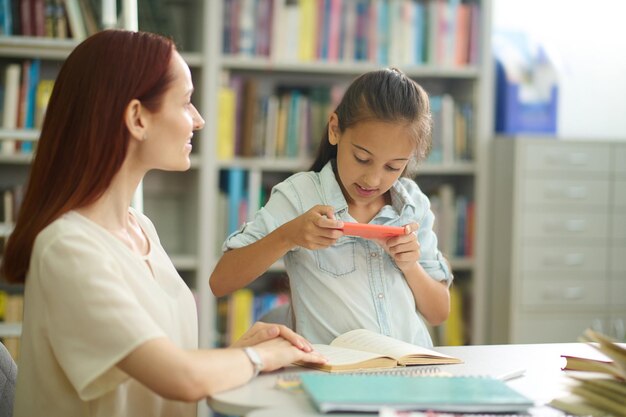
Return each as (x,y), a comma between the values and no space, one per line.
(574,259)
(576,192)
(573,293)
(575,225)
(573,192)
(578,158)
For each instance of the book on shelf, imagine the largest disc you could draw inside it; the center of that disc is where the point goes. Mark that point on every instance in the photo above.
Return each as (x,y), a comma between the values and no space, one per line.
(11,104)
(12,311)
(372,392)
(365,349)
(598,385)
(398,32)
(239,311)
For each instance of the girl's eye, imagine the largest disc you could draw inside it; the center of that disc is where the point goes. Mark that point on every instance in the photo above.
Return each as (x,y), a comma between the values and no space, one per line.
(393,169)
(359,160)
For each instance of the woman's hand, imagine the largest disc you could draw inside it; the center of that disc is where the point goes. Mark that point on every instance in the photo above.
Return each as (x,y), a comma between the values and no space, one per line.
(404,249)
(278,345)
(278,352)
(315,229)
(261,332)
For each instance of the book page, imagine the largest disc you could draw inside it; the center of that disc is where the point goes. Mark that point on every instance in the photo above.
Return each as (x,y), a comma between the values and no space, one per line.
(369,341)
(338,356)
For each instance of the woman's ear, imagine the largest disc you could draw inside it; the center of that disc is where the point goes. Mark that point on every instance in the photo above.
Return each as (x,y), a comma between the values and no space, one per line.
(135,119)
(333,129)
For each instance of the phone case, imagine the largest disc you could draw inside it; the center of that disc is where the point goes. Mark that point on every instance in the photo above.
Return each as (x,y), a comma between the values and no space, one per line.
(370,231)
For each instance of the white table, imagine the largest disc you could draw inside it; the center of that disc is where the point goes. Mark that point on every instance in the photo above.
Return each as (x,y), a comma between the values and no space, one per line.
(542,380)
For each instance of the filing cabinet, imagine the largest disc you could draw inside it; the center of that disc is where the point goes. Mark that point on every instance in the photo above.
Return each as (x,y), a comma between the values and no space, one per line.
(557,240)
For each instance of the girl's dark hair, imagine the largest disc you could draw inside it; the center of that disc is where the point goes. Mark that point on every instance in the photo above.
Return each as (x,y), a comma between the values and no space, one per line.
(386,95)
(84,138)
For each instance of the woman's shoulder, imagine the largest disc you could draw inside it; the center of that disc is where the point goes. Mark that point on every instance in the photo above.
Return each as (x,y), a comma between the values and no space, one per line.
(65,235)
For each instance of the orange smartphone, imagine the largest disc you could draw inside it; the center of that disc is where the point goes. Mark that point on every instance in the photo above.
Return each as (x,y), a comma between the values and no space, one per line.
(371,231)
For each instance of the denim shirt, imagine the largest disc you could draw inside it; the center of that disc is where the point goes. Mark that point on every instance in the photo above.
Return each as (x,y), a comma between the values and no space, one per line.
(354,283)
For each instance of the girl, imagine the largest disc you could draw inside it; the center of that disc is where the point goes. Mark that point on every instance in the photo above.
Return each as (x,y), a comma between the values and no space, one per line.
(110,328)
(339,283)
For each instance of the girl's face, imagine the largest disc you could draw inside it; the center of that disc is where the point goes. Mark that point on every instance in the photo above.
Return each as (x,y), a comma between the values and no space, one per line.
(168,139)
(371,156)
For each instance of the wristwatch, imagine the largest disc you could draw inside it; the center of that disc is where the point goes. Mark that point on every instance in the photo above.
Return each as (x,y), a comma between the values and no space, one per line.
(255,359)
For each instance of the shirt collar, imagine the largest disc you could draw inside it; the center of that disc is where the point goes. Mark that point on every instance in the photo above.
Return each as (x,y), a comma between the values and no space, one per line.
(331,188)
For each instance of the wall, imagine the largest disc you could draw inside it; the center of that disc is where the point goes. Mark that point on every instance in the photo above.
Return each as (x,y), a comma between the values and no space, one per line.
(590,40)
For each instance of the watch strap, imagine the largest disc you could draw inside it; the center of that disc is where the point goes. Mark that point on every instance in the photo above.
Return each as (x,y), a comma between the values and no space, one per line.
(255,359)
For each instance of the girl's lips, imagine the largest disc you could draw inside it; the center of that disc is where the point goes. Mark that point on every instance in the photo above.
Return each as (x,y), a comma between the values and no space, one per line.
(364,192)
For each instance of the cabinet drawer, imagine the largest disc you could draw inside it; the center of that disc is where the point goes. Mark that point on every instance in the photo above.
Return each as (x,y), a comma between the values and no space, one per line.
(617,290)
(618,227)
(618,260)
(563,293)
(573,193)
(619,193)
(619,155)
(559,156)
(564,259)
(577,225)
(554,328)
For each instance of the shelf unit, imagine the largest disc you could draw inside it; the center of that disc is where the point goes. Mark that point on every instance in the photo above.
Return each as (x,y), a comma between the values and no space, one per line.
(472,81)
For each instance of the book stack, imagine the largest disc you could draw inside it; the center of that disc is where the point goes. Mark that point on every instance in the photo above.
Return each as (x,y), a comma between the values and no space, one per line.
(598,386)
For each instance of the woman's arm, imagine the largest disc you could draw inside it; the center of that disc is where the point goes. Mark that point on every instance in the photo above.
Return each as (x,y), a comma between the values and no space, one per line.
(315,229)
(190,375)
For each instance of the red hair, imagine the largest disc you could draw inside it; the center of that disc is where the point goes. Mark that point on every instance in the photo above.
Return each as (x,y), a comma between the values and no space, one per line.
(84,138)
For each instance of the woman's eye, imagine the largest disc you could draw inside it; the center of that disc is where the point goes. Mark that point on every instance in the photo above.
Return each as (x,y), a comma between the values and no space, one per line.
(393,169)
(359,160)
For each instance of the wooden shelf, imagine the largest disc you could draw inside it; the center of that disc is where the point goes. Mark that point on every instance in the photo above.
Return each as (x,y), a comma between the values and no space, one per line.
(340,68)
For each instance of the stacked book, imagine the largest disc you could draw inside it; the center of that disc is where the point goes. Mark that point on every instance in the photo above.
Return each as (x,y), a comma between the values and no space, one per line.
(598,386)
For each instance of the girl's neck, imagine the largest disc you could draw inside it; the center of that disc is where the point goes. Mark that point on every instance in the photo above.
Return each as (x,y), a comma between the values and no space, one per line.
(365,213)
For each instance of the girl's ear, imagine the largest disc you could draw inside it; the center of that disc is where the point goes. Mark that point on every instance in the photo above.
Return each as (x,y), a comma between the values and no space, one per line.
(135,119)
(333,129)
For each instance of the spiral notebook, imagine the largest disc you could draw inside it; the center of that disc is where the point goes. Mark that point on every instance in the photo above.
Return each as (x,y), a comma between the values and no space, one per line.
(370,393)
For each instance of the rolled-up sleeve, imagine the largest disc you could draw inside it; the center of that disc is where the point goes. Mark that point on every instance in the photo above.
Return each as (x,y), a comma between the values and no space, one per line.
(282,207)
(431,259)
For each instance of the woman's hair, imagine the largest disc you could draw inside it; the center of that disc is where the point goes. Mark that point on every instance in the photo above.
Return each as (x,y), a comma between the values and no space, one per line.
(84,138)
(386,95)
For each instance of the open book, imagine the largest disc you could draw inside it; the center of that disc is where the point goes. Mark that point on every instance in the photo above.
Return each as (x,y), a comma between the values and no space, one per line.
(365,349)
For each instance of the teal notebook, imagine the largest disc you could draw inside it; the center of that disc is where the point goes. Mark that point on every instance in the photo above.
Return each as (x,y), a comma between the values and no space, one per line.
(369,393)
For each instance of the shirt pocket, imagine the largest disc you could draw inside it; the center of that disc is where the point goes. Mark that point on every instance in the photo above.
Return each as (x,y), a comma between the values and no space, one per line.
(338,259)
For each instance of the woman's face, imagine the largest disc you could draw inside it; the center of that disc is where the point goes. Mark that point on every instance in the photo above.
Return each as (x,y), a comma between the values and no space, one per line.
(167,142)
(371,156)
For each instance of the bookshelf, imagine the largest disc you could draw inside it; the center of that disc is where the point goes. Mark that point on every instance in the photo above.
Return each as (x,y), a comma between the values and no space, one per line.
(274,73)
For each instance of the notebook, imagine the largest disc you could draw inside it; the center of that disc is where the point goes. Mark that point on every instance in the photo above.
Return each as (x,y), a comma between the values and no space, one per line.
(370,393)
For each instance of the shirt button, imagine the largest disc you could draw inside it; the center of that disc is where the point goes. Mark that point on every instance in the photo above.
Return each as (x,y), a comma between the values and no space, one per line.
(380,295)
(374,254)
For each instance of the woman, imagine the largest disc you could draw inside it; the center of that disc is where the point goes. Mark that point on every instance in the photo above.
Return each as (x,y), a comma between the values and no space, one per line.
(109,326)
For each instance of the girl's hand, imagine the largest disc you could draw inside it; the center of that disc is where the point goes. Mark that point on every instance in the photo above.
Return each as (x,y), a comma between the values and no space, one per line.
(315,229)
(404,249)
(261,332)
(279,352)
